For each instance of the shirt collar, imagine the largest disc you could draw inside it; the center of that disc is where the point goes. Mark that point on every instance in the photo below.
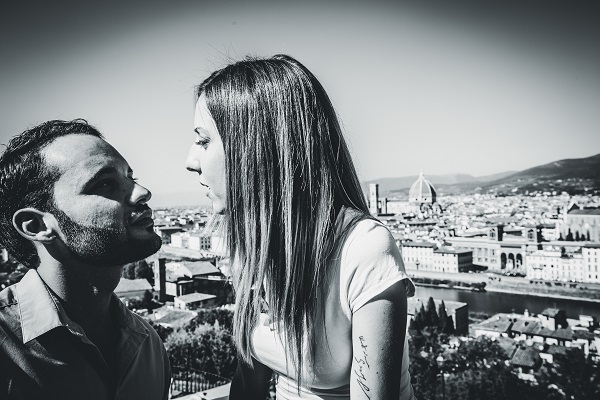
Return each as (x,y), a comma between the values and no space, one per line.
(40,310)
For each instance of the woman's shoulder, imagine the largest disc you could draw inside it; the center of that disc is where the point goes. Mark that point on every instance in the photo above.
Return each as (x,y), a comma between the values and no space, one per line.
(369,262)
(358,232)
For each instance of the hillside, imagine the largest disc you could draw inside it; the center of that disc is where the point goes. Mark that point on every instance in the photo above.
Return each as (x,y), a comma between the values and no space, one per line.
(575,176)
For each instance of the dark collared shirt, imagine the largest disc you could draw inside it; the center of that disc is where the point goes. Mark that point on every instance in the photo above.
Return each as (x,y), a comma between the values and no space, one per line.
(45,355)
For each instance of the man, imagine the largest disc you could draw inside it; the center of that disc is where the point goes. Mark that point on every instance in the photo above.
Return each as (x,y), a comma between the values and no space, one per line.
(72,211)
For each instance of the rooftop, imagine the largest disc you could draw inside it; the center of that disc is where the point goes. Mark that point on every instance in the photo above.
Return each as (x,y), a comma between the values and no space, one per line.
(585,211)
(132,285)
(422,191)
(448,250)
(173,317)
(418,244)
(550,312)
(498,323)
(195,297)
(199,268)
(526,357)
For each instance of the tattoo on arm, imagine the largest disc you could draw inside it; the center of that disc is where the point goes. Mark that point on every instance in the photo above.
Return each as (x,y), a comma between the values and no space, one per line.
(362,362)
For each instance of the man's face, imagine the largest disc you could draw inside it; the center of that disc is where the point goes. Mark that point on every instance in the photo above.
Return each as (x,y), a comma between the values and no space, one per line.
(100,208)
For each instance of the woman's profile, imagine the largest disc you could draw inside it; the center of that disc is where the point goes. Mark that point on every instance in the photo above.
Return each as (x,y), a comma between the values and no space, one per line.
(320,287)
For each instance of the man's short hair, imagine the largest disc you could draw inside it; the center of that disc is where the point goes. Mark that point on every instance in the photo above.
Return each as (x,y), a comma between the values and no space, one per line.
(27,181)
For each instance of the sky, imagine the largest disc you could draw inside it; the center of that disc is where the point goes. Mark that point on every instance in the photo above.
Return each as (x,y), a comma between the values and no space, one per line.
(440,87)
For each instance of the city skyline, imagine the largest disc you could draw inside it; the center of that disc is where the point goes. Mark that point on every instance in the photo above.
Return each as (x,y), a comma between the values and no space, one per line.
(461,88)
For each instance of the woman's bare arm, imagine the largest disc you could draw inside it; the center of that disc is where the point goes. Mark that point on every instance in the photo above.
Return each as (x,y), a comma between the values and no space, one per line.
(378,332)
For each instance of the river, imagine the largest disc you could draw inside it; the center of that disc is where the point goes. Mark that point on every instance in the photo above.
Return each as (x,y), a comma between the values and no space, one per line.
(494,302)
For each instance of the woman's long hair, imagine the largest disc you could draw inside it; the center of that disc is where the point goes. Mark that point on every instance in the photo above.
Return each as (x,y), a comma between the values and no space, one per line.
(289,172)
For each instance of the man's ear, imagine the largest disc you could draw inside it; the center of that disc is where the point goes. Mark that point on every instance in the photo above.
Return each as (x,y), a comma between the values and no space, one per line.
(35,225)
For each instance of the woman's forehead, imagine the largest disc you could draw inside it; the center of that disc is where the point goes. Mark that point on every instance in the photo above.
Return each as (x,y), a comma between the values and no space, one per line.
(203,120)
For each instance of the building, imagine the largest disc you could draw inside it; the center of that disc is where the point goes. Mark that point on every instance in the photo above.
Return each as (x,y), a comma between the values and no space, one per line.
(591,262)
(181,278)
(130,288)
(169,317)
(581,224)
(501,251)
(165,232)
(199,241)
(582,265)
(424,256)
(422,192)
(547,328)
(446,259)
(497,326)
(555,266)
(193,301)
(180,239)
(418,255)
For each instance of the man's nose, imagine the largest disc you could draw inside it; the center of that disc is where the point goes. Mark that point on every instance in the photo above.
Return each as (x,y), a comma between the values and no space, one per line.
(140,194)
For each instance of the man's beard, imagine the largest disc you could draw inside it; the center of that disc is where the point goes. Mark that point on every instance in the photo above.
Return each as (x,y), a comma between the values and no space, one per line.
(104,246)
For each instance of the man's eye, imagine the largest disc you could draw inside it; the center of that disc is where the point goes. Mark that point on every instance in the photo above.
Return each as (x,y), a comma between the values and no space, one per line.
(104,184)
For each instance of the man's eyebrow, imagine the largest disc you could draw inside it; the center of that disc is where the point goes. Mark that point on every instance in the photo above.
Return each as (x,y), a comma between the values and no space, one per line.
(102,171)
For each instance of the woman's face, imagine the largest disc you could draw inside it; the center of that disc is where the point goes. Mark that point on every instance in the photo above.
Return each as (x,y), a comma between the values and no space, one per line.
(207,156)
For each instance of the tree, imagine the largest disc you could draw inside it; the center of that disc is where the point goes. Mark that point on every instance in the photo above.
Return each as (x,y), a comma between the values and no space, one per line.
(433,319)
(450,330)
(569,237)
(128,271)
(138,270)
(204,349)
(443,316)
(143,271)
(162,331)
(208,316)
(577,237)
(424,346)
(446,322)
(147,299)
(419,319)
(492,382)
(572,376)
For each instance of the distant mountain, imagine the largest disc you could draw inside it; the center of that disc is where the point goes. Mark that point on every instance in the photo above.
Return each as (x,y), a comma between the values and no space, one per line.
(575,176)
(393,185)
(584,168)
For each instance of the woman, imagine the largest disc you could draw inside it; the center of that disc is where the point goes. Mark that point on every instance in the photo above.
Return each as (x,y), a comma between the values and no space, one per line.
(320,286)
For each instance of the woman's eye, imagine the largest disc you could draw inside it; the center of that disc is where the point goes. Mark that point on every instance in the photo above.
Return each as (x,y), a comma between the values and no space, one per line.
(202,142)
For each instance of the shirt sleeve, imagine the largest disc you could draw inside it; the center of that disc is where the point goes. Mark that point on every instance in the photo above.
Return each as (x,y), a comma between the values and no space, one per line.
(370,263)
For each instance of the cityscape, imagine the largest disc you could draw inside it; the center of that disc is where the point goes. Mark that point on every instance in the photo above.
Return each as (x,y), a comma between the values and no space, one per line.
(505,260)
(507,284)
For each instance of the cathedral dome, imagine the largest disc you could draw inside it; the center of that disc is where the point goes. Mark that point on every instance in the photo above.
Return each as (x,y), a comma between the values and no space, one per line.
(422,191)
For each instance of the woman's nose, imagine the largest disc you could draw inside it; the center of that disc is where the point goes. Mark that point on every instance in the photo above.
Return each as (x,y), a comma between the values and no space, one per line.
(192,163)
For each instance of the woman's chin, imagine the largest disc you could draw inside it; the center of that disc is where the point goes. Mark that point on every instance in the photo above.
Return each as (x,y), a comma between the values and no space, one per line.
(218,209)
